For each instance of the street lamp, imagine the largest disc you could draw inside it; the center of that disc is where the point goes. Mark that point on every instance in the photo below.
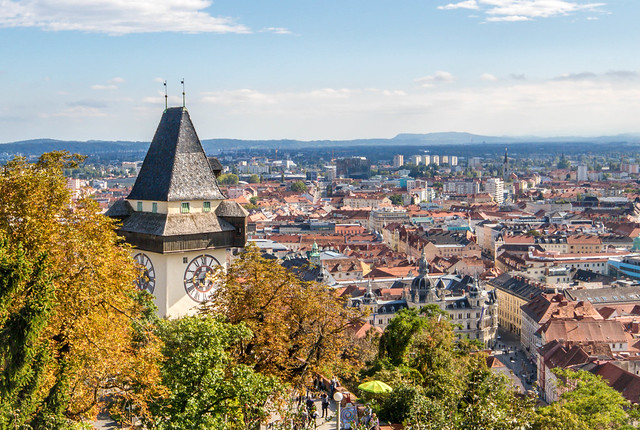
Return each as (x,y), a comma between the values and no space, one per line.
(337,396)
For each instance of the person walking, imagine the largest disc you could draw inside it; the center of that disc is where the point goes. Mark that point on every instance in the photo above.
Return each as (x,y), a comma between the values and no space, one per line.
(324,402)
(310,405)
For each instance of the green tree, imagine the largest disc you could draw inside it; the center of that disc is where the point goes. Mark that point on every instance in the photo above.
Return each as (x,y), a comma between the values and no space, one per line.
(254,179)
(83,306)
(298,187)
(397,337)
(26,301)
(208,388)
(586,403)
(440,381)
(228,179)
(564,163)
(396,199)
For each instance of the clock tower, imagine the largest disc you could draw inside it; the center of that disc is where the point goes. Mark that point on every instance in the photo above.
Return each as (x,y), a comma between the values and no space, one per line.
(177,219)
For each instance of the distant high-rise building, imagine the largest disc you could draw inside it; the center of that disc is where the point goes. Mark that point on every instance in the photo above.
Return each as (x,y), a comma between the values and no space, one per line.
(475,162)
(416,159)
(329,173)
(435,159)
(398,161)
(583,173)
(495,187)
(453,160)
(353,167)
(426,159)
(445,159)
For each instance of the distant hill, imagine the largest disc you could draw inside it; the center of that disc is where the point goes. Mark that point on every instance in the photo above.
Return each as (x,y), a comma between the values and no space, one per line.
(111,149)
(39,146)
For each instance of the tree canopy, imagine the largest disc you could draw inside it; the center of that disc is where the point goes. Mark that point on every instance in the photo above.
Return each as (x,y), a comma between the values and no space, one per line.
(228,179)
(587,402)
(69,313)
(297,325)
(208,388)
(439,381)
(299,187)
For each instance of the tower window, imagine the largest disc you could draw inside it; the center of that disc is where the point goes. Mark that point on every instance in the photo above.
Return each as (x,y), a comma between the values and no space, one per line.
(154,207)
(139,206)
(206,207)
(185,208)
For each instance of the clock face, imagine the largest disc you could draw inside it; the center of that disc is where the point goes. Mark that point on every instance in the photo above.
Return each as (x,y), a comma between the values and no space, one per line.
(198,285)
(146,273)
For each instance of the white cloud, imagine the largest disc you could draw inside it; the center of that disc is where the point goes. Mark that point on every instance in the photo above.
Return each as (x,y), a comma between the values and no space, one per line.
(601,105)
(75,112)
(112,84)
(101,87)
(488,77)
(276,30)
(439,77)
(525,10)
(116,17)
(468,4)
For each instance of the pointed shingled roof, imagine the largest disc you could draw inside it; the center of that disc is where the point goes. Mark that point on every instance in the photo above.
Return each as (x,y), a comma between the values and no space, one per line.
(176,167)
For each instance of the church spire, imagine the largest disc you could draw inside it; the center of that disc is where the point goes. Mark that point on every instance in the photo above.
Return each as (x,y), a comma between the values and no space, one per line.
(176,167)
(423,265)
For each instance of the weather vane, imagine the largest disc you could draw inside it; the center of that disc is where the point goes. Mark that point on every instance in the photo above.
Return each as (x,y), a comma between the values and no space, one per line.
(166,97)
(184,103)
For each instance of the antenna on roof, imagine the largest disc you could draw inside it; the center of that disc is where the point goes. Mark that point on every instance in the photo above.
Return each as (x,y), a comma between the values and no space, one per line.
(184,103)
(166,97)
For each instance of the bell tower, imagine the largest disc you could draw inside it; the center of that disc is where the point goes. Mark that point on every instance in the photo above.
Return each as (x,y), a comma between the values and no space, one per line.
(177,219)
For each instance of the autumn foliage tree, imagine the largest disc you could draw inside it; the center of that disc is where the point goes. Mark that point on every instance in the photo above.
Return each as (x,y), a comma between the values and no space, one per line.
(67,302)
(297,326)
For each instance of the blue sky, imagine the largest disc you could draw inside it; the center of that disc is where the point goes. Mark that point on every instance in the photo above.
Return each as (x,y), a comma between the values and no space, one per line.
(93,69)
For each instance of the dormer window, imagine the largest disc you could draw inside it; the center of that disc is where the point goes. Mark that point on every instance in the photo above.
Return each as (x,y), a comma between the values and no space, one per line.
(184,208)
(206,206)
(139,206)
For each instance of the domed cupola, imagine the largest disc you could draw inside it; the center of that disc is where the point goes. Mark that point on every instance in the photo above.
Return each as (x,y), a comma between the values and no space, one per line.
(369,296)
(422,281)
(475,290)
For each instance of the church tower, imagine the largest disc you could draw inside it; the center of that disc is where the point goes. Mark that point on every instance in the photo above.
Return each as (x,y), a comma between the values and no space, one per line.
(177,219)
(506,171)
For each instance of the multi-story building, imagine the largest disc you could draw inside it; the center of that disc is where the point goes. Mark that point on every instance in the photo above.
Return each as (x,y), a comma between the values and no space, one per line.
(583,173)
(513,292)
(353,167)
(398,161)
(461,187)
(380,217)
(495,187)
(545,307)
(468,304)
(416,159)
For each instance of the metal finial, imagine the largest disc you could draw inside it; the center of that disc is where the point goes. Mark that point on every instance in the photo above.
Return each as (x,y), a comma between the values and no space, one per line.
(184,103)
(166,97)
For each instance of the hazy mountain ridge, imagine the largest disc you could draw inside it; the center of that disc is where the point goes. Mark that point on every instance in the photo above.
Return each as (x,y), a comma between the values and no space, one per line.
(213,146)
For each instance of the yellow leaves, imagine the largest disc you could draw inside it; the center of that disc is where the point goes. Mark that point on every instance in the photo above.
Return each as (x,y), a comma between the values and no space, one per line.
(93,275)
(297,326)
